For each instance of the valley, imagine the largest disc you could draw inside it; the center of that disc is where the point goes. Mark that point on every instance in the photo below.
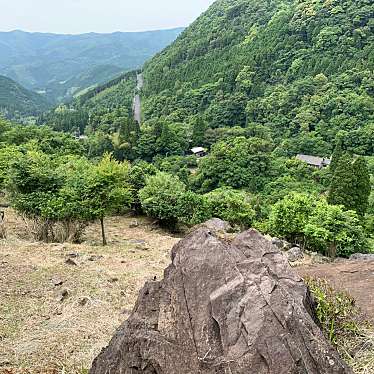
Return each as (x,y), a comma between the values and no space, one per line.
(61,66)
(227,167)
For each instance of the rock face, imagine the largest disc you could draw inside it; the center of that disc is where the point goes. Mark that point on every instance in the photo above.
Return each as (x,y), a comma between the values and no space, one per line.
(224,307)
(362,257)
(295,254)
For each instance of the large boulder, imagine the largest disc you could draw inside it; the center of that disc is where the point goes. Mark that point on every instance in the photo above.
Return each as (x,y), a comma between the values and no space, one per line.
(224,306)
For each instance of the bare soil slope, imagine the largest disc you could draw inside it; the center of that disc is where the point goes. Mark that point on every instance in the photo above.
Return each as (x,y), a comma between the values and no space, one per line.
(355,277)
(61,303)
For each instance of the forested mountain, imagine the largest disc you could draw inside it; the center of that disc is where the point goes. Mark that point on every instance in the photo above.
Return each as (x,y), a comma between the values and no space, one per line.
(298,69)
(61,65)
(18,102)
(104,113)
(256,83)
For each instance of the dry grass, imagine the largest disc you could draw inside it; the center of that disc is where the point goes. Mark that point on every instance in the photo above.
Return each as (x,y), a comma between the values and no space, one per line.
(358,351)
(39,329)
(40,333)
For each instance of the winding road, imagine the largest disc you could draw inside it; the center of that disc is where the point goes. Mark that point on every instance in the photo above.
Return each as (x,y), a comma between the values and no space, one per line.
(137,107)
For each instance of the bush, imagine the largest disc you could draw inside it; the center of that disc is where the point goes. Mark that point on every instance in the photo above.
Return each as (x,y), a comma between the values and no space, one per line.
(231,206)
(137,179)
(333,231)
(336,311)
(289,216)
(193,209)
(161,197)
(321,227)
(60,196)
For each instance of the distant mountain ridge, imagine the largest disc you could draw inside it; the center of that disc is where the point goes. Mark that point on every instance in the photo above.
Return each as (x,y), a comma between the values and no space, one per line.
(61,65)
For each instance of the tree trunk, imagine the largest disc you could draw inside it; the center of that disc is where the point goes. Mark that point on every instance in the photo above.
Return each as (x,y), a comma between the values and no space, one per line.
(332,250)
(103,231)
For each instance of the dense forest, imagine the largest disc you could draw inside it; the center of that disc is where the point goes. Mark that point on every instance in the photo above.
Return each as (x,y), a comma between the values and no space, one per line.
(255,84)
(17,102)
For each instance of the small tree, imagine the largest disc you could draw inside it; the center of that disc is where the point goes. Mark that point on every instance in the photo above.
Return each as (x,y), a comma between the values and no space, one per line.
(337,154)
(362,187)
(230,205)
(106,191)
(67,192)
(161,196)
(334,232)
(350,185)
(342,182)
(289,216)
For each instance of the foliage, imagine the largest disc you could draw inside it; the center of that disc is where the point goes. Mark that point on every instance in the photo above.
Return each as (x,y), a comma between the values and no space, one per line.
(236,163)
(301,69)
(160,198)
(334,232)
(230,205)
(8,155)
(67,190)
(137,180)
(336,311)
(350,184)
(362,187)
(289,216)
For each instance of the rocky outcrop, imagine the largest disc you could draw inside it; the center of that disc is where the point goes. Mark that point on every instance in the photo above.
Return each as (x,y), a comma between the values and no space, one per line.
(225,306)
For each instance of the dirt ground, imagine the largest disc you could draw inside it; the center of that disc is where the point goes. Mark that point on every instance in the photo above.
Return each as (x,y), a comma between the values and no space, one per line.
(355,277)
(61,303)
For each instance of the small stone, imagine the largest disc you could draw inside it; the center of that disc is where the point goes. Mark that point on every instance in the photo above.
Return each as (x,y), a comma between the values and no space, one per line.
(70,261)
(84,301)
(64,294)
(95,258)
(295,254)
(56,281)
(134,224)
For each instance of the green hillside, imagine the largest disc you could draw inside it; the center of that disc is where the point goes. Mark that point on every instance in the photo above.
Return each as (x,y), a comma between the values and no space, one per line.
(270,90)
(62,65)
(18,102)
(100,110)
(302,70)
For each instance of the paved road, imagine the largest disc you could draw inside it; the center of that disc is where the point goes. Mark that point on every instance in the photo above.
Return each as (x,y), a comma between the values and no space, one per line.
(137,107)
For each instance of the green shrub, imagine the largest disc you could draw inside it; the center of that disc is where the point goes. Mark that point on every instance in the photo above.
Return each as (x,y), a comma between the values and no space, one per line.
(161,196)
(336,311)
(137,179)
(289,216)
(193,209)
(333,231)
(231,206)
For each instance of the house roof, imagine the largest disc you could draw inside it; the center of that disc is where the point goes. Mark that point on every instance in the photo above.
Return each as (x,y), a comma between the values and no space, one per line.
(314,160)
(198,150)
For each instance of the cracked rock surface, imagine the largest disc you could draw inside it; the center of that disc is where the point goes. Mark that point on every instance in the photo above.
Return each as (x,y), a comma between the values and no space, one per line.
(225,306)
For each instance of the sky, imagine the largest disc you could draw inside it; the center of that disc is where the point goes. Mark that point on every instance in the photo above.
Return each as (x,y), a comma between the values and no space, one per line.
(103,16)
